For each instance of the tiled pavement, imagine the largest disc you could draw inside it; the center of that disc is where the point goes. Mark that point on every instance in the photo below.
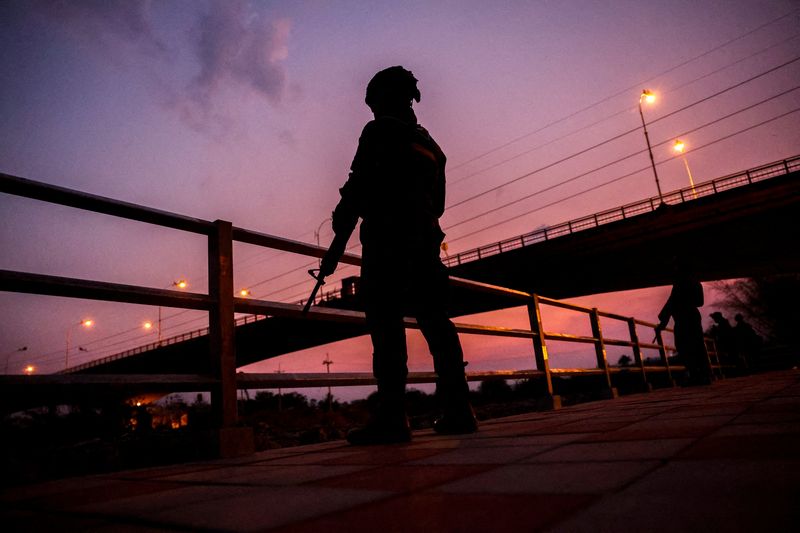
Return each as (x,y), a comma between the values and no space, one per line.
(719,458)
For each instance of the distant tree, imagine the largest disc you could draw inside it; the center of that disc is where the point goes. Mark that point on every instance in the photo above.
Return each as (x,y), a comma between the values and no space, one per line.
(625,360)
(495,389)
(770,303)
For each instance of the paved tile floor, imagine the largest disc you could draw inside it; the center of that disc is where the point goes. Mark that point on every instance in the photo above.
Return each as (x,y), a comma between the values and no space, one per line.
(719,458)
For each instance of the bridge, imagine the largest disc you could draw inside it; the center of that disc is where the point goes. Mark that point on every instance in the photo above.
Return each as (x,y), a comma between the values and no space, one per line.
(739,225)
(209,362)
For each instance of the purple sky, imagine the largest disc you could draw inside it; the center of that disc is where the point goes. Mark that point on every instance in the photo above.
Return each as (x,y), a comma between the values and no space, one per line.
(250,112)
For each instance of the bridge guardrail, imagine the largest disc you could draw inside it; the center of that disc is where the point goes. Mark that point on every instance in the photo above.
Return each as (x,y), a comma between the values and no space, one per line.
(221,304)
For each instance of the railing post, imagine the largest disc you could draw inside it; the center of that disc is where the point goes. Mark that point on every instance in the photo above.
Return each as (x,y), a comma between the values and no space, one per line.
(637,354)
(662,352)
(540,351)
(600,352)
(230,441)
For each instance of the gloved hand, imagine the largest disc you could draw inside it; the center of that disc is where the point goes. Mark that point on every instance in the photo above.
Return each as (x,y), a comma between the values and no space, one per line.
(329,263)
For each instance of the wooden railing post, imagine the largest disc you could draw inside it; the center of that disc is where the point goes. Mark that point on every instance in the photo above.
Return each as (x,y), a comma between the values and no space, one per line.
(231,440)
(662,352)
(540,351)
(600,352)
(637,354)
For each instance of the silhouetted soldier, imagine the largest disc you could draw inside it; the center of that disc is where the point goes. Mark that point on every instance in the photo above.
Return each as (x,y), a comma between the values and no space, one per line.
(397,187)
(682,306)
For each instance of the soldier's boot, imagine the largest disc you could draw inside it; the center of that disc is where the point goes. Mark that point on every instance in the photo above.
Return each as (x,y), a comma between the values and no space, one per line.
(458,417)
(388,425)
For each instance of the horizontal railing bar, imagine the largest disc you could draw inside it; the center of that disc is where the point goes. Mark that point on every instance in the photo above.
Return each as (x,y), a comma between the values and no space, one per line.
(613,316)
(106,379)
(564,305)
(25,282)
(288,245)
(266,307)
(569,337)
(99,204)
(488,288)
(619,342)
(286,380)
(491,331)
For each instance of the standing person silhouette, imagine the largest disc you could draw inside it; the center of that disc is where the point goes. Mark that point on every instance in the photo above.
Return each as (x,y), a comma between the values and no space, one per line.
(682,305)
(397,187)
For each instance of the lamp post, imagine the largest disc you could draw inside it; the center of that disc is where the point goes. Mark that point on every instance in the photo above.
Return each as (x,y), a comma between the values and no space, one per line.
(327,362)
(86,323)
(29,369)
(680,147)
(181,284)
(11,353)
(649,97)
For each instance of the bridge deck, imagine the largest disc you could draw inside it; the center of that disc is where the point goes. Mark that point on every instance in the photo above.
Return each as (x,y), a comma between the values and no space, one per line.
(724,458)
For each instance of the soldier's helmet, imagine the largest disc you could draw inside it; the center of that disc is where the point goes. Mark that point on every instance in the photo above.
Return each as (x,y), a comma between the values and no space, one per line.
(392,87)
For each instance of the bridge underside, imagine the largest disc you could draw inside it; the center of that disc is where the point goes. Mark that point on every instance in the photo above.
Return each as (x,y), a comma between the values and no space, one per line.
(747,231)
(743,232)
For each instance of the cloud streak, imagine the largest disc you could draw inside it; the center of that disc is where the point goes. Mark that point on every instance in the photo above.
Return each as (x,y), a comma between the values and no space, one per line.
(237,44)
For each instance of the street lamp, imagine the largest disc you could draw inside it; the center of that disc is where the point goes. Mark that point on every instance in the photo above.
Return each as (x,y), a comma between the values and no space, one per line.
(30,369)
(11,353)
(86,323)
(244,293)
(181,284)
(649,97)
(680,147)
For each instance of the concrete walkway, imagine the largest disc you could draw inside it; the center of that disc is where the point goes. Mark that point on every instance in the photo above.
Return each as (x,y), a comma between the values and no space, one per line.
(719,458)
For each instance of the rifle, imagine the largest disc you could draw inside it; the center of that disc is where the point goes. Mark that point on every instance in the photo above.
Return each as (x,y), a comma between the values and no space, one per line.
(327,266)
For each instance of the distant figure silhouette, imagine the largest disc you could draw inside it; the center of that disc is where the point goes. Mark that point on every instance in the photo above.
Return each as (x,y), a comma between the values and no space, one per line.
(397,187)
(682,306)
(723,335)
(747,341)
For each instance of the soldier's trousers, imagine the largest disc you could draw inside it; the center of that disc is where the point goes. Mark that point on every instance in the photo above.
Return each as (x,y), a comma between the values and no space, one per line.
(407,286)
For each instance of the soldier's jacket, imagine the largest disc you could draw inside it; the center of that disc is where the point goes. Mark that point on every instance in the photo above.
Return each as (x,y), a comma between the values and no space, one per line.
(397,187)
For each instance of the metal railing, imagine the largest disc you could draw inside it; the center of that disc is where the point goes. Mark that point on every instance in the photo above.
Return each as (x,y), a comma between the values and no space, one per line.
(761,173)
(221,304)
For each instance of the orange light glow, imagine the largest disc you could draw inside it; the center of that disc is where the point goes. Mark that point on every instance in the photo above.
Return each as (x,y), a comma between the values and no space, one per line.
(244,293)
(648,96)
(30,369)
(87,322)
(679,146)
(147,325)
(181,283)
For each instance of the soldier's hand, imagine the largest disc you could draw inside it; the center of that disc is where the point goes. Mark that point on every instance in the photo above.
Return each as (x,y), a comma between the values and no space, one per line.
(328,265)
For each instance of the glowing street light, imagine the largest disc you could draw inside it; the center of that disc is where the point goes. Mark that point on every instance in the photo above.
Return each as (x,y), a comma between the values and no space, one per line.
(680,147)
(30,369)
(86,323)
(147,325)
(649,97)
(244,293)
(181,284)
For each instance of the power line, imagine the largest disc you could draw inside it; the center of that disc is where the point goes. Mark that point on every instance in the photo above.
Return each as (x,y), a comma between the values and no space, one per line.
(634,86)
(609,182)
(619,136)
(633,154)
(617,113)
